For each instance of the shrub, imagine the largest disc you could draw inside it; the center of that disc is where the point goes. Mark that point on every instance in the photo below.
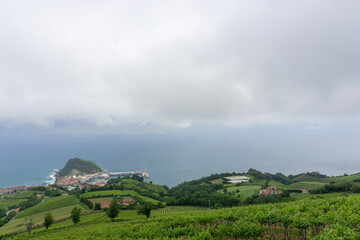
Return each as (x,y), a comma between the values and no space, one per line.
(48,220)
(113,210)
(75,215)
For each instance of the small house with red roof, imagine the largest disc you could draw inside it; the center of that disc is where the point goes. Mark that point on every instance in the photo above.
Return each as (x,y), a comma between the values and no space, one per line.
(269,191)
(126,201)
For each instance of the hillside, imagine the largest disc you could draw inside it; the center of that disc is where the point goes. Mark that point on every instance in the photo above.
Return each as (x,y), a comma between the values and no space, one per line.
(305,219)
(309,177)
(60,206)
(77,166)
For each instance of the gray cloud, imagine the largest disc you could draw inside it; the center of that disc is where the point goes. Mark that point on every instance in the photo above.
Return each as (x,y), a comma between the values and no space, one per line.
(178,63)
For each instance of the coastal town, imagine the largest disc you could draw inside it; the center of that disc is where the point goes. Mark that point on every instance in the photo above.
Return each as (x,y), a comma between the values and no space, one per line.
(78,181)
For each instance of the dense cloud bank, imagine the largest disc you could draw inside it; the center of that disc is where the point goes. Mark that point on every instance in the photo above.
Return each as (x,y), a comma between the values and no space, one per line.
(178,63)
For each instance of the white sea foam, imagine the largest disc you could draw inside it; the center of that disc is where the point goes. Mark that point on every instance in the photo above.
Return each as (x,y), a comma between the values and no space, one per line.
(52,177)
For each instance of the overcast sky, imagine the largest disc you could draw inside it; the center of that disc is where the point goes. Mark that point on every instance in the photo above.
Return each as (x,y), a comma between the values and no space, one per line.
(178,63)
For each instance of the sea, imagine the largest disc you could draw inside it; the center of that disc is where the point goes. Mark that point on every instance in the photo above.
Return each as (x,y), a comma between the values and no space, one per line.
(183,155)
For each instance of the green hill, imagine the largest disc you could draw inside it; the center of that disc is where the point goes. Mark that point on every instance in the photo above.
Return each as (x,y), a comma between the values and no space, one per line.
(345,178)
(77,166)
(311,178)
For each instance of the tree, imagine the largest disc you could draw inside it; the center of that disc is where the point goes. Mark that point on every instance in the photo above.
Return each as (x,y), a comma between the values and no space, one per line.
(113,209)
(48,220)
(2,212)
(75,215)
(355,188)
(97,206)
(29,223)
(145,209)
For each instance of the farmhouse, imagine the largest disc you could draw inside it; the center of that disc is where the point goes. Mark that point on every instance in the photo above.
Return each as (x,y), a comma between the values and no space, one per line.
(238,179)
(270,191)
(126,201)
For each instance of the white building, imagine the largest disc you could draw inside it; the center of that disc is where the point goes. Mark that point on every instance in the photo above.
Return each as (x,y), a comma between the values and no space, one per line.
(238,179)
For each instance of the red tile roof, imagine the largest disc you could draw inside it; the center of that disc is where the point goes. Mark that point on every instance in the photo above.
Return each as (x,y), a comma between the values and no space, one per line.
(105,205)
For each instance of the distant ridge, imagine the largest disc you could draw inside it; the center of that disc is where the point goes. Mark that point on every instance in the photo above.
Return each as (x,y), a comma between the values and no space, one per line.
(76,166)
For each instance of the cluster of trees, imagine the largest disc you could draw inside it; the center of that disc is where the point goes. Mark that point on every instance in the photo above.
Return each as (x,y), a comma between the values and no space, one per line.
(87,202)
(194,194)
(2,212)
(268,176)
(6,219)
(52,192)
(32,201)
(38,188)
(353,186)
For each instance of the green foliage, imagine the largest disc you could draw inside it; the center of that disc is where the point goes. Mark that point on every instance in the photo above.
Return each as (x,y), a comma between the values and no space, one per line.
(80,166)
(2,212)
(52,193)
(97,206)
(335,187)
(113,209)
(10,203)
(319,219)
(75,214)
(7,218)
(194,194)
(29,223)
(87,202)
(355,187)
(338,232)
(245,191)
(145,209)
(48,220)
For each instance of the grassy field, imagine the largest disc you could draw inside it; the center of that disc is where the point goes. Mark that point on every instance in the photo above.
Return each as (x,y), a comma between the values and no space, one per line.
(24,194)
(18,224)
(323,196)
(271,183)
(9,202)
(306,185)
(119,193)
(344,178)
(217,181)
(50,204)
(245,191)
(132,182)
(124,215)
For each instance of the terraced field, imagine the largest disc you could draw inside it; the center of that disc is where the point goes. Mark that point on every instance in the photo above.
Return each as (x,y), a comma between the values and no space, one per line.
(320,219)
(60,207)
(50,204)
(108,193)
(124,215)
